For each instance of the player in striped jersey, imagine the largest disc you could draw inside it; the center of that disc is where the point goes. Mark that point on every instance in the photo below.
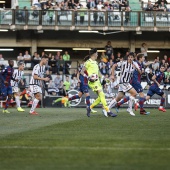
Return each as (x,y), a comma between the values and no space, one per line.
(17,74)
(127,69)
(36,82)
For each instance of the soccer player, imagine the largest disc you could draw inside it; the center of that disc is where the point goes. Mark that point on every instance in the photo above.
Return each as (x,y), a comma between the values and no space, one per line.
(36,82)
(136,80)
(127,69)
(92,69)
(17,74)
(82,77)
(154,89)
(6,89)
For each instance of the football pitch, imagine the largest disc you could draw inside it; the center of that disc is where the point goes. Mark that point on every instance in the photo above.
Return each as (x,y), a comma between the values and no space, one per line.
(65,138)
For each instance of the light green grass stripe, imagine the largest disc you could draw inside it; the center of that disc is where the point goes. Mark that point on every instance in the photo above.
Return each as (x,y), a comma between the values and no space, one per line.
(82,148)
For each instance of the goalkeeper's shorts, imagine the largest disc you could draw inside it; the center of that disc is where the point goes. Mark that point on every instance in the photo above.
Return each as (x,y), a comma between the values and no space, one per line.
(95,86)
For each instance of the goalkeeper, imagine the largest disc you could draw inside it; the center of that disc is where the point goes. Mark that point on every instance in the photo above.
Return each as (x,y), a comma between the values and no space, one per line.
(63,100)
(92,69)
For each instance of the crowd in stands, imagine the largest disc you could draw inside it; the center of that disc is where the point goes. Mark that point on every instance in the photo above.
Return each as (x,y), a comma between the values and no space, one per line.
(160,5)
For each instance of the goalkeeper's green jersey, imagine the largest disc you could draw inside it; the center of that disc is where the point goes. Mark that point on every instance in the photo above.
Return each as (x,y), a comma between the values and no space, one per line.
(91,67)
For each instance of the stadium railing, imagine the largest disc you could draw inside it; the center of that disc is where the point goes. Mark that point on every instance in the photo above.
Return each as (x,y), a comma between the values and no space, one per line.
(84,18)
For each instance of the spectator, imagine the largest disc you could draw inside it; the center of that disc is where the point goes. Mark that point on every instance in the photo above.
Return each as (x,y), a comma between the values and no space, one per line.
(109,49)
(164,1)
(167,76)
(20,57)
(144,50)
(47,74)
(57,55)
(162,63)
(118,57)
(2,66)
(66,56)
(149,77)
(156,7)
(61,64)
(35,59)
(52,64)
(126,55)
(127,15)
(163,7)
(149,6)
(61,89)
(67,84)
(74,83)
(104,57)
(27,57)
(52,89)
(57,80)
(74,74)
(155,65)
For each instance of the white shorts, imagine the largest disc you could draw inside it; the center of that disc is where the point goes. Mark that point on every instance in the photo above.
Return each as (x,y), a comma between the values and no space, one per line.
(124,87)
(15,89)
(35,89)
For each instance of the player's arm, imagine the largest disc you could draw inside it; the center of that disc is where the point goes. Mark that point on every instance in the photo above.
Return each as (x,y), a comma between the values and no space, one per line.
(137,67)
(40,78)
(154,79)
(113,69)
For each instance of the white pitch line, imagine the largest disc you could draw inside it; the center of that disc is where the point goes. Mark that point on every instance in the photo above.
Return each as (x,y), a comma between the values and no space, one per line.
(81,148)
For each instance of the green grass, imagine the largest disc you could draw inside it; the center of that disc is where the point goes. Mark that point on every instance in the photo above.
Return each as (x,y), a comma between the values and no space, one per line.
(66,139)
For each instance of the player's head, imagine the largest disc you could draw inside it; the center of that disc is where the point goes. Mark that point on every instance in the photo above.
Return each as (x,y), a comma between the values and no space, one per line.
(21,66)
(130,56)
(162,68)
(93,54)
(140,57)
(44,59)
(11,63)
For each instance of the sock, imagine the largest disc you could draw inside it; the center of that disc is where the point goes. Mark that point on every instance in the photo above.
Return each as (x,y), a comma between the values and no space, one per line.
(17,100)
(141,102)
(7,102)
(34,104)
(103,100)
(127,98)
(95,103)
(74,97)
(88,101)
(131,102)
(112,103)
(162,102)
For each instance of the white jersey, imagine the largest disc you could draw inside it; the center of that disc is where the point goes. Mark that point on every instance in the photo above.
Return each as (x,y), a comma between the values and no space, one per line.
(17,74)
(126,71)
(37,70)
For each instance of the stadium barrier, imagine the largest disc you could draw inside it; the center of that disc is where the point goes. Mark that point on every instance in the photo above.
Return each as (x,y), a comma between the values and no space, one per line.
(154,102)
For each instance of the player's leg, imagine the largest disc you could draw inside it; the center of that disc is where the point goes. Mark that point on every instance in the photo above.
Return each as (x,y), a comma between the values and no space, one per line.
(160,92)
(36,90)
(15,91)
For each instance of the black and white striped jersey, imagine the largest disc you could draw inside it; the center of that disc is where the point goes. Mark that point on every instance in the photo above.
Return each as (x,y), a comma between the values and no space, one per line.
(17,75)
(37,70)
(126,70)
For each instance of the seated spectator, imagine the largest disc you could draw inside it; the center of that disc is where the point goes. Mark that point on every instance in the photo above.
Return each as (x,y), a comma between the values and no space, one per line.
(162,63)
(27,57)
(61,64)
(155,65)
(117,59)
(35,12)
(167,76)
(57,55)
(149,6)
(19,14)
(149,77)
(164,1)
(35,59)
(74,74)
(123,3)
(57,80)
(47,74)
(62,91)
(52,89)
(74,83)
(91,4)
(155,7)
(115,4)
(163,7)
(52,63)
(20,57)
(2,66)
